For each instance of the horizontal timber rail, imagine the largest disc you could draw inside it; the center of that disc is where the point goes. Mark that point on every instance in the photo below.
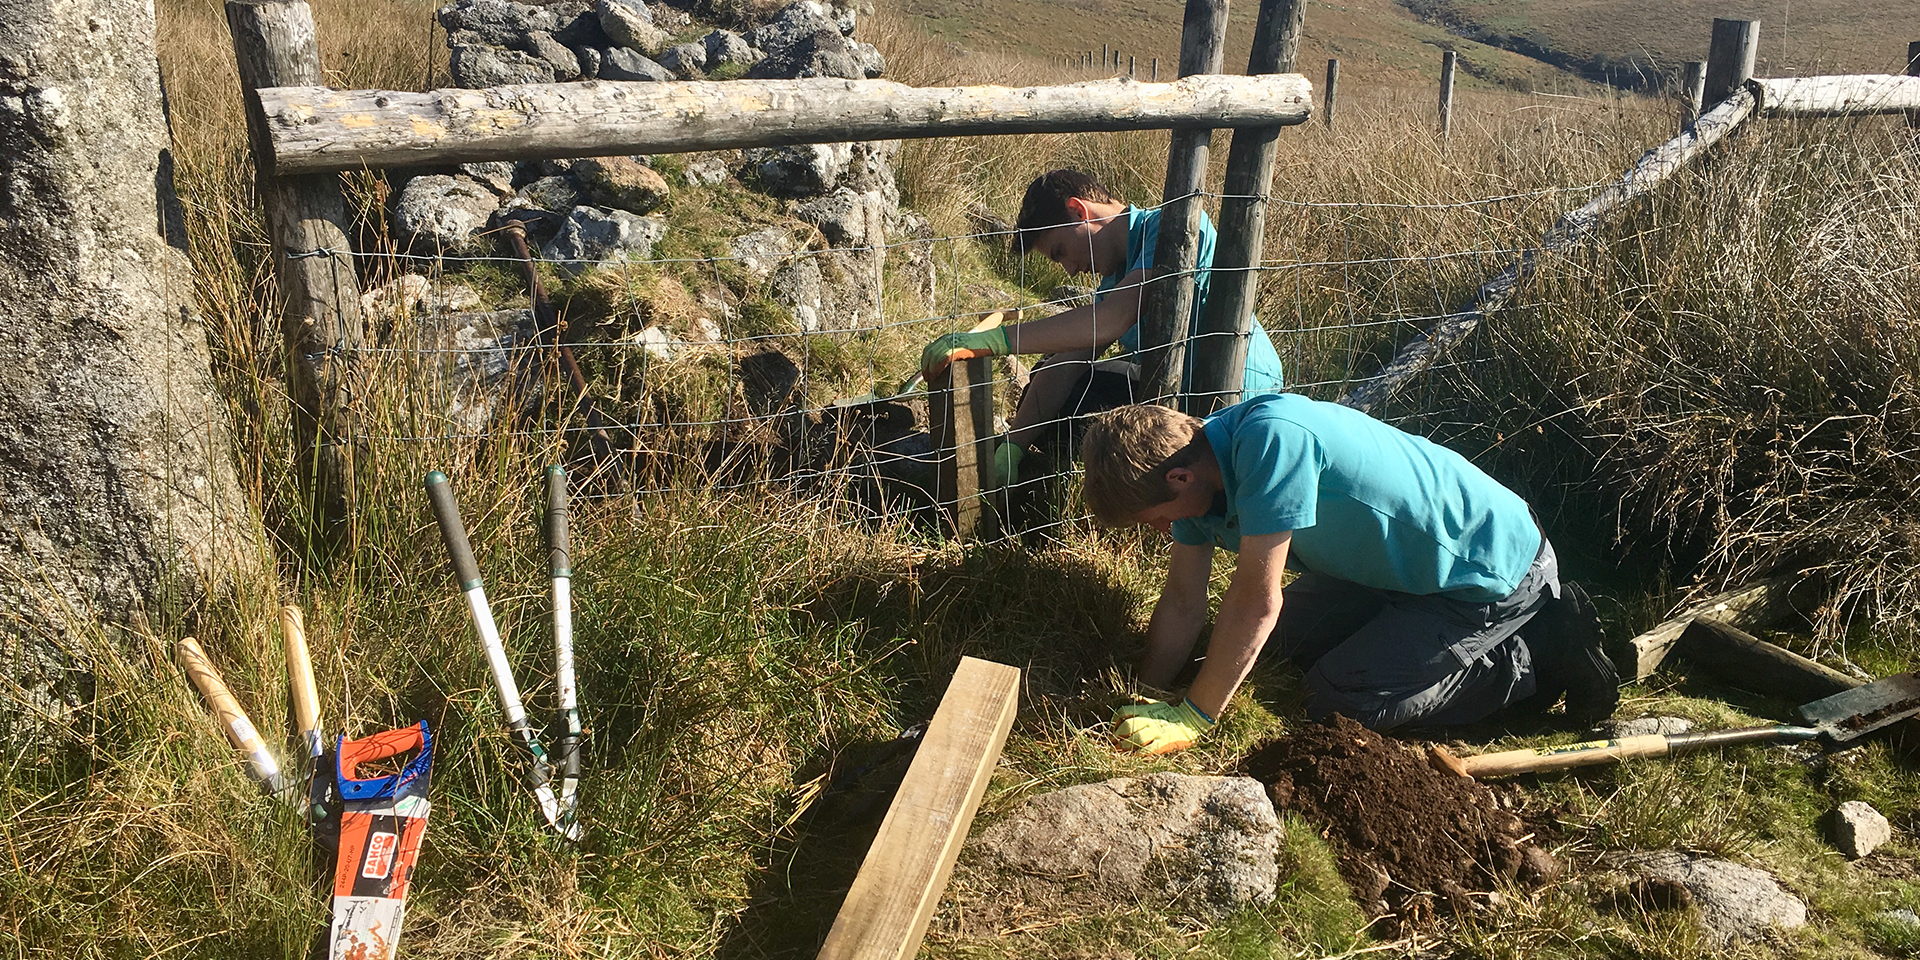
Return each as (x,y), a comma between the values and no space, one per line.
(319,129)
(1850,96)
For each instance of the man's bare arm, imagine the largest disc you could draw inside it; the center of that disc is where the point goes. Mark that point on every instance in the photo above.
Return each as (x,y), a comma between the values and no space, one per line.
(1247,616)
(1093,326)
(1178,616)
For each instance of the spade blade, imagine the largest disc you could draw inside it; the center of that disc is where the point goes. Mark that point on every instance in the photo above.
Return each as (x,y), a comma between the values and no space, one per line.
(1855,713)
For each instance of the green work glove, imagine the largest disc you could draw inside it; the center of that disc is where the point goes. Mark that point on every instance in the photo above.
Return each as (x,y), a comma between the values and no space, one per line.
(947,348)
(1006,462)
(1160,727)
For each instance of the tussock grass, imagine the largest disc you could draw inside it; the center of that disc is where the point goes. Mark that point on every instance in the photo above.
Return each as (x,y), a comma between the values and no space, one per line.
(739,651)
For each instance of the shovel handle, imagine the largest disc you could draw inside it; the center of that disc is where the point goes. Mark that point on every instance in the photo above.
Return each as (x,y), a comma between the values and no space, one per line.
(1508,763)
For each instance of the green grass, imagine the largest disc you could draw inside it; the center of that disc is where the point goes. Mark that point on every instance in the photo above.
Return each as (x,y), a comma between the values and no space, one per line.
(736,651)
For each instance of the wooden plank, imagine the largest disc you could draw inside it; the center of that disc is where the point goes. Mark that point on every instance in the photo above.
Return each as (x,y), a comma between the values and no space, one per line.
(1746,608)
(900,882)
(1750,663)
(1166,304)
(1850,96)
(960,421)
(1227,319)
(314,128)
(1657,165)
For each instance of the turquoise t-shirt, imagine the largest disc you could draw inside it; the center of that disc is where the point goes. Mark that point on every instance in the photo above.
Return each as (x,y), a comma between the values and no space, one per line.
(1366,503)
(1263,372)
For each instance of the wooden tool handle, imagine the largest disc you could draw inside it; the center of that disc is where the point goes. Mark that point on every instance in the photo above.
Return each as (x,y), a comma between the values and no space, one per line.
(303,698)
(239,729)
(1507,763)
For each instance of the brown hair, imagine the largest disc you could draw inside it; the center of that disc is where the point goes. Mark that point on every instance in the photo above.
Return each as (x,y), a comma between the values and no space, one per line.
(1045,205)
(1128,453)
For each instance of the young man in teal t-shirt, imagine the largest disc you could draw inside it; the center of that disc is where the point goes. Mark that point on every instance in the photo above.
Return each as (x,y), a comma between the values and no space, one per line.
(1070,218)
(1428,593)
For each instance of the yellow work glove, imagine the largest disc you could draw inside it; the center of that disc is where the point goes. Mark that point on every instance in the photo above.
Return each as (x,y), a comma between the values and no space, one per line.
(1006,462)
(1158,726)
(947,348)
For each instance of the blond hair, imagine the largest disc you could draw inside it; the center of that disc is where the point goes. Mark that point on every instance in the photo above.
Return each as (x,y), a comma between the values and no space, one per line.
(1128,453)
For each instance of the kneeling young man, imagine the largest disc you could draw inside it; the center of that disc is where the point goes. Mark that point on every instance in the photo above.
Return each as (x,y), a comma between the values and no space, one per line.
(1420,572)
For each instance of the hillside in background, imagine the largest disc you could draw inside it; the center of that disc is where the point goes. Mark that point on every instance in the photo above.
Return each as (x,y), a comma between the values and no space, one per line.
(1521,44)
(1378,42)
(1633,43)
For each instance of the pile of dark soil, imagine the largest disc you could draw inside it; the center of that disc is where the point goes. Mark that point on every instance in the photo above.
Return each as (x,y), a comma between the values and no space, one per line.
(1408,838)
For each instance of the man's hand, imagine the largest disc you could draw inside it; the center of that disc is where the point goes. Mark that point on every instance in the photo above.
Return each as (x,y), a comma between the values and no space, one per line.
(1158,726)
(947,348)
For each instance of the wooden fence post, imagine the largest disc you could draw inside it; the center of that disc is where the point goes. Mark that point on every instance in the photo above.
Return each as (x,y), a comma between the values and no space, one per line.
(1129,64)
(1333,85)
(1226,321)
(1693,85)
(1729,59)
(1166,307)
(275,45)
(960,419)
(1913,70)
(1447,61)
(1156,70)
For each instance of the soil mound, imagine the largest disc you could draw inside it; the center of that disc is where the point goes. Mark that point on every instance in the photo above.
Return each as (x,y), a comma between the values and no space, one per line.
(1409,839)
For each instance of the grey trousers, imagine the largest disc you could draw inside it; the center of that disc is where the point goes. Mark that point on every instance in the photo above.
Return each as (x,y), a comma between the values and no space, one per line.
(1387,659)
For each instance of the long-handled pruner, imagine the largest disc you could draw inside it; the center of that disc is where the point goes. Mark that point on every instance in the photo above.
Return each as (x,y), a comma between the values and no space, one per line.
(467,572)
(569,716)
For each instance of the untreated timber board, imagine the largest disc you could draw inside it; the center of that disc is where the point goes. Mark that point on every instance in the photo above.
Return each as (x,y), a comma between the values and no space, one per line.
(1745,608)
(960,420)
(314,128)
(892,899)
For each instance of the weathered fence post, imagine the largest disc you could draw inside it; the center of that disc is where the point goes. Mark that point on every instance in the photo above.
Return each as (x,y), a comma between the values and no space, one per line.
(1129,64)
(1156,70)
(274,45)
(1326,99)
(1447,61)
(1234,284)
(1913,70)
(1166,308)
(960,419)
(1729,59)
(1103,56)
(1693,85)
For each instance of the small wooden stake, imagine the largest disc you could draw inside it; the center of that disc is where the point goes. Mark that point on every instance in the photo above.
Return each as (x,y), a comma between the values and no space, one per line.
(886,911)
(1750,663)
(1447,62)
(1333,85)
(1693,85)
(960,417)
(1913,70)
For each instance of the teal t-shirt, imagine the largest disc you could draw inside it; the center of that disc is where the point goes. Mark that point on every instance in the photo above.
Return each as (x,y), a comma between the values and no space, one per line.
(1263,372)
(1366,503)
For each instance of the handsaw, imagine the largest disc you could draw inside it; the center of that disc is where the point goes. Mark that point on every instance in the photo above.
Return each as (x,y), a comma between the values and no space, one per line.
(1838,722)
(382,821)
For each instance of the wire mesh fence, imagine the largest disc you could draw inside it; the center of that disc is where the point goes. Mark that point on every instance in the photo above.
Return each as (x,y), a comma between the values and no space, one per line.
(793,370)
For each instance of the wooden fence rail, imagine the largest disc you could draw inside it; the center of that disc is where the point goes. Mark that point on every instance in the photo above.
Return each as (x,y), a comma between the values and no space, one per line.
(316,128)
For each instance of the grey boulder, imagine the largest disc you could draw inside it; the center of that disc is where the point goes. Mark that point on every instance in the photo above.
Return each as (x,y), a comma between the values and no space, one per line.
(592,236)
(1859,829)
(1734,902)
(497,22)
(1665,726)
(761,252)
(565,63)
(556,193)
(1205,844)
(686,61)
(629,23)
(824,53)
(443,213)
(620,63)
(725,47)
(848,218)
(621,182)
(478,66)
